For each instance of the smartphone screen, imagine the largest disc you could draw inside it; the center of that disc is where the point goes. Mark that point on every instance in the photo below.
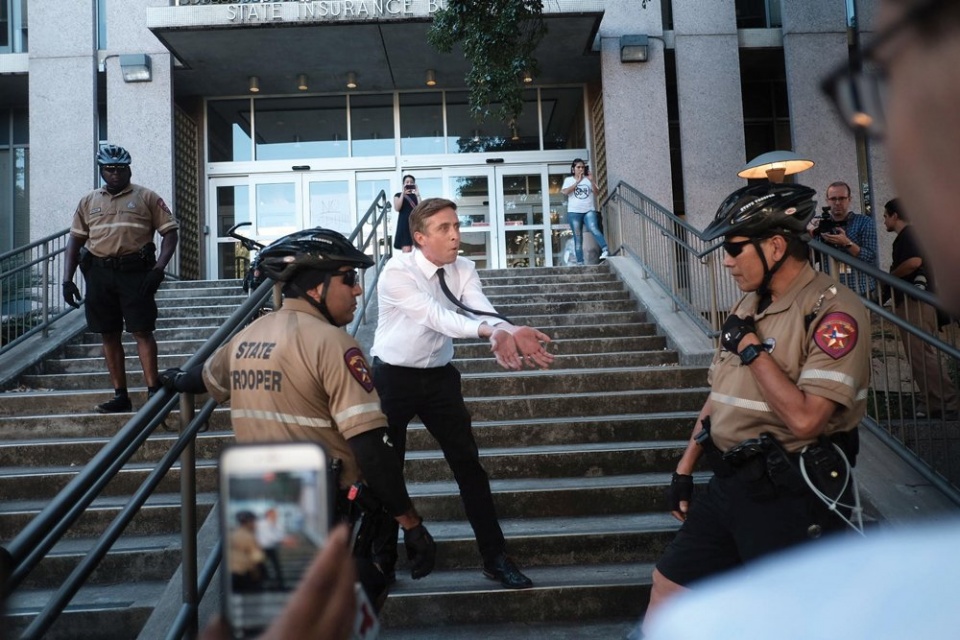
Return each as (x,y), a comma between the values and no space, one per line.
(275,514)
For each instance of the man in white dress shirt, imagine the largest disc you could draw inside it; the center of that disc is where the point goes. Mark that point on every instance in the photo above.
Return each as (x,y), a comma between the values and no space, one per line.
(412,350)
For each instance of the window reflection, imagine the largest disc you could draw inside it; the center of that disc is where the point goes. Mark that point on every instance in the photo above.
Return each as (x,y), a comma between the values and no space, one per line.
(228,130)
(371,125)
(421,123)
(297,128)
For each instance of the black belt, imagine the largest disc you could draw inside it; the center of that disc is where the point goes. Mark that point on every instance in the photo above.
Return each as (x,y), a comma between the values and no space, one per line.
(118,262)
(377,362)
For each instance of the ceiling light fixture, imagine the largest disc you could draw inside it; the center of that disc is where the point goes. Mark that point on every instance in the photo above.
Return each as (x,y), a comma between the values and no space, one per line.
(351,80)
(527,76)
(302,82)
(254,84)
(431,78)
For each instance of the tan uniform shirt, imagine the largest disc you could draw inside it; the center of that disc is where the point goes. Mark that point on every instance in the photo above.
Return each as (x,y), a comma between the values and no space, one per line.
(245,554)
(293,376)
(830,357)
(118,225)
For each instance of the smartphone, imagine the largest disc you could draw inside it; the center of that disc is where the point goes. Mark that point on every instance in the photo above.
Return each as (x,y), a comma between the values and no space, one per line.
(275,513)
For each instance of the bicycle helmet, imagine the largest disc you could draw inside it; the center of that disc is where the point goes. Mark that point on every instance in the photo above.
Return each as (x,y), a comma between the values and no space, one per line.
(304,259)
(315,249)
(761,210)
(112,154)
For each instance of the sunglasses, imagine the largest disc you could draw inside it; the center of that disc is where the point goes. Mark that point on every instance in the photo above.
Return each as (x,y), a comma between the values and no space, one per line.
(734,249)
(350,278)
(115,168)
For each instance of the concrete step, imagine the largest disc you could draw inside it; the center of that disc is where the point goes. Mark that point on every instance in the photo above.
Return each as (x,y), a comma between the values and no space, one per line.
(569,594)
(513,297)
(160,515)
(164,347)
(550,497)
(48,481)
(545,542)
(600,629)
(587,404)
(549,287)
(40,400)
(78,451)
(105,612)
(150,558)
(571,346)
(564,363)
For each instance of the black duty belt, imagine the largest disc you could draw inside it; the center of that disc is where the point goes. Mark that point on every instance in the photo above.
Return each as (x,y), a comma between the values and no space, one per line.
(119,262)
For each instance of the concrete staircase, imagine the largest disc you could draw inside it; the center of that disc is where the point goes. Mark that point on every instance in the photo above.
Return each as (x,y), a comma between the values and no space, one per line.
(578,458)
(50,430)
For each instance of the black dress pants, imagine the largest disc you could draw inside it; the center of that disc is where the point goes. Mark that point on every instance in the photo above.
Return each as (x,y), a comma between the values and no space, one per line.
(435,396)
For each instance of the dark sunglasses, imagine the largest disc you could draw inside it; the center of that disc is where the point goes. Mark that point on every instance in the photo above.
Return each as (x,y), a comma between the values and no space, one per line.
(350,278)
(734,249)
(114,168)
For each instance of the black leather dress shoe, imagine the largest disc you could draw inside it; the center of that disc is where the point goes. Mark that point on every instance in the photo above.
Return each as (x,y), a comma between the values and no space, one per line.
(504,570)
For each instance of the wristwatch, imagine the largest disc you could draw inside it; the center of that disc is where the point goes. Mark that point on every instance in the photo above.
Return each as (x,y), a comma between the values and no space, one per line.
(750,353)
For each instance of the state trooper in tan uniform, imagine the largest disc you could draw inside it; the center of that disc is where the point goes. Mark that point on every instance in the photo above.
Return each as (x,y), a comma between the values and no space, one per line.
(788,389)
(114,227)
(295,375)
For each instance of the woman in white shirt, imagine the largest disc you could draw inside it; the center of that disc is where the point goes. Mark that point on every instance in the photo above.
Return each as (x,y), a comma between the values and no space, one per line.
(582,208)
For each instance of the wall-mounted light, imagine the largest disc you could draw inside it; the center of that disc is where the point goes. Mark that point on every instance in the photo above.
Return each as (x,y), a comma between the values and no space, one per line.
(254,84)
(527,76)
(351,80)
(634,48)
(774,166)
(135,67)
(302,82)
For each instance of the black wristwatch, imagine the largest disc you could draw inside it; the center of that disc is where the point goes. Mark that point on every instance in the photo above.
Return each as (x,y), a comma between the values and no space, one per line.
(750,353)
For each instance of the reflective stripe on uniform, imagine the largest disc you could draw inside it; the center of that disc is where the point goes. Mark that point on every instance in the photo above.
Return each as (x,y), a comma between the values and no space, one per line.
(862,394)
(115,225)
(283,418)
(356,410)
(743,403)
(211,381)
(824,374)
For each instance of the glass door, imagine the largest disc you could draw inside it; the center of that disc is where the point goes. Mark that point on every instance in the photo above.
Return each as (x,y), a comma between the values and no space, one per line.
(473,189)
(521,196)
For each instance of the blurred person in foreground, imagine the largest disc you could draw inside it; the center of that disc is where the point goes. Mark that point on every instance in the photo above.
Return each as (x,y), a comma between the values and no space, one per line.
(897,584)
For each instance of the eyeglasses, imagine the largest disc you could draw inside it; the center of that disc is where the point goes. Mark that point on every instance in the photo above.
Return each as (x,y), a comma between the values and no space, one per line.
(734,249)
(114,168)
(858,88)
(350,278)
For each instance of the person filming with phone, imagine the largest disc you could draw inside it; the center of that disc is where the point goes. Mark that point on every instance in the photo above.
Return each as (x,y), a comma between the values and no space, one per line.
(404,203)
(295,375)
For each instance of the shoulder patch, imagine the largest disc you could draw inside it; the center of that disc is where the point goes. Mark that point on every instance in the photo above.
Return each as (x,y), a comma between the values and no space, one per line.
(163,206)
(358,368)
(836,335)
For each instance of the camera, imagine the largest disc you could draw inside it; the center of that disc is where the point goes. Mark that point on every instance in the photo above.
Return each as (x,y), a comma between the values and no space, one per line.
(827,225)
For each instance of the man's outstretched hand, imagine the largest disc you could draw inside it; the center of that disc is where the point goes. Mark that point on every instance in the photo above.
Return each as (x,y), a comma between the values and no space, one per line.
(515,347)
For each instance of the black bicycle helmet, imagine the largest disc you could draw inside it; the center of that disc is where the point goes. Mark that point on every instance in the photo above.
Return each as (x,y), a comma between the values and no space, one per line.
(316,249)
(761,210)
(112,154)
(304,259)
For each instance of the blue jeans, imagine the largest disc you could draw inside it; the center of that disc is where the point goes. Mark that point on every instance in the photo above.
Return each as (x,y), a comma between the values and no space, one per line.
(576,222)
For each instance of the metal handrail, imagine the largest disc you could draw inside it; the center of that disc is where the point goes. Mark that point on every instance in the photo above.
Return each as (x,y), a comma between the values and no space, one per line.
(674,255)
(48,527)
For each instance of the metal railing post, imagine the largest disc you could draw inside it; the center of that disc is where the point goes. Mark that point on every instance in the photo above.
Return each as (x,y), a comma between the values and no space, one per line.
(45,283)
(188,517)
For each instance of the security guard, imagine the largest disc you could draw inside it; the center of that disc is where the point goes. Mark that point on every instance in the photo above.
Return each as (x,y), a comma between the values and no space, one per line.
(788,389)
(296,375)
(116,223)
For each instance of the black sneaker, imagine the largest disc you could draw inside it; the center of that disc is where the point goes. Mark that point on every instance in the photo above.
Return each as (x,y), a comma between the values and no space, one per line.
(506,571)
(118,404)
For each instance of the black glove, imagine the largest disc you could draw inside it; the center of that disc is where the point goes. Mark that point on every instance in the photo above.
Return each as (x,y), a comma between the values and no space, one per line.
(734,330)
(151,282)
(71,294)
(168,378)
(681,489)
(421,550)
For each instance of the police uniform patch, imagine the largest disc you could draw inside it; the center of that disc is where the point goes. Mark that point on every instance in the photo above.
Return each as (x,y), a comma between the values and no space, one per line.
(836,335)
(358,368)
(163,206)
